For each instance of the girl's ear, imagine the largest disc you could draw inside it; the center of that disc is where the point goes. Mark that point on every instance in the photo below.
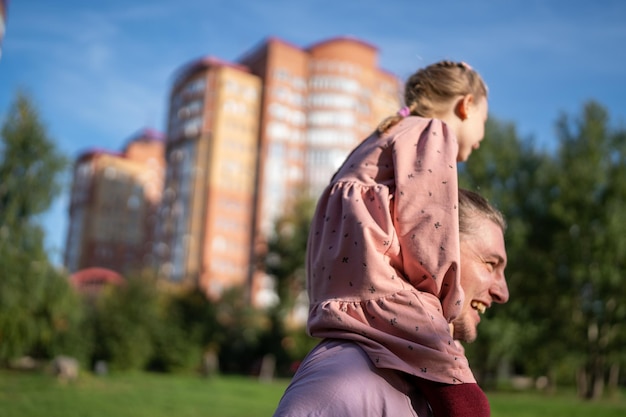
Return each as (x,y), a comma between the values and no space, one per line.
(462,107)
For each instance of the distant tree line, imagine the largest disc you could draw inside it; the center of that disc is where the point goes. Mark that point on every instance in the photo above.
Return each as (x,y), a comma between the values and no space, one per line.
(138,325)
(566,243)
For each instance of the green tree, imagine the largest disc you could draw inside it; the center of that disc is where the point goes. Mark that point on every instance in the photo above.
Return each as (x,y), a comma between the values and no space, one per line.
(566,245)
(590,246)
(58,319)
(286,255)
(29,161)
(30,178)
(126,321)
(188,329)
(240,327)
(285,263)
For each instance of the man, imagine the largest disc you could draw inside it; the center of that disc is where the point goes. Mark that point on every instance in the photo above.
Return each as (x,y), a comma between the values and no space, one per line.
(339,379)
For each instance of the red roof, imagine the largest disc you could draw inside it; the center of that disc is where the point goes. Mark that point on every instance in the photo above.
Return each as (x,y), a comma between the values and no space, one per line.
(95,277)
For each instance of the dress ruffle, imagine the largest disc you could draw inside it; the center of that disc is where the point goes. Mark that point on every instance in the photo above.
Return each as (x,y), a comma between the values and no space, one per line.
(398,331)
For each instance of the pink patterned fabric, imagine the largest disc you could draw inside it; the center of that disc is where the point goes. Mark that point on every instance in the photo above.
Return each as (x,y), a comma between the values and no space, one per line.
(383,252)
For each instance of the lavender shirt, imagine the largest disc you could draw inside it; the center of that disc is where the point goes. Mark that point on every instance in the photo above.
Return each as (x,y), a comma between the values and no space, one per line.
(337,378)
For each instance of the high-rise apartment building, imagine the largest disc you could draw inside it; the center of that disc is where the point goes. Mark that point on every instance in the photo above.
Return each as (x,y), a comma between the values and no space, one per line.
(113,205)
(206,214)
(247,139)
(318,103)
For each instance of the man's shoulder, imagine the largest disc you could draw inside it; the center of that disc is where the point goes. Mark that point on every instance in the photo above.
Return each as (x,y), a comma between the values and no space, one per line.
(338,378)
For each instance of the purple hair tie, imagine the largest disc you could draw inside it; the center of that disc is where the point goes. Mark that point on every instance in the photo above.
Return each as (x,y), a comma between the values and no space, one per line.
(404,111)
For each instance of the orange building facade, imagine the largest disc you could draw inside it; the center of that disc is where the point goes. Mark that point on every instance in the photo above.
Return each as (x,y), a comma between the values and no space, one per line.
(113,205)
(207,207)
(317,104)
(247,139)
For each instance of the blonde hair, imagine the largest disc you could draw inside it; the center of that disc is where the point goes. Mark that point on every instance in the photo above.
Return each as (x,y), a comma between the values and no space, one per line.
(430,90)
(472,206)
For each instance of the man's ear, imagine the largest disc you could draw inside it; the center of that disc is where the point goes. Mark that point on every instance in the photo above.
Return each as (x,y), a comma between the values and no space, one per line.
(463,106)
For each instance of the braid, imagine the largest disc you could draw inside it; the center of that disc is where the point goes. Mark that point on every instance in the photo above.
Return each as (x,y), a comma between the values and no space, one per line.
(429,91)
(391,121)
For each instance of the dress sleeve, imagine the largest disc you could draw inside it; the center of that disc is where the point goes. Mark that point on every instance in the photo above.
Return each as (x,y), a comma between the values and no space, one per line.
(425,211)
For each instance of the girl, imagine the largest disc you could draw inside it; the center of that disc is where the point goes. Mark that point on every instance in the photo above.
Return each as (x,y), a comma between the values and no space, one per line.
(383,250)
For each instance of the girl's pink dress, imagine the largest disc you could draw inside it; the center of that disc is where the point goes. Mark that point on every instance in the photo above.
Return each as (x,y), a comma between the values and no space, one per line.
(383,253)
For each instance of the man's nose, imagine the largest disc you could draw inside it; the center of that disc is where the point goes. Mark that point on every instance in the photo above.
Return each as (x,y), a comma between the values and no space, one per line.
(499,290)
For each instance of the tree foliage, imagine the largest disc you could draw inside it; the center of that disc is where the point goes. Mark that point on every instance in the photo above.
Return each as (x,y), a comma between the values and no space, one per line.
(566,246)
(188,329)
(125,323)
(36,305)
(590,244)
(29,161)
(285,259)
(285,262)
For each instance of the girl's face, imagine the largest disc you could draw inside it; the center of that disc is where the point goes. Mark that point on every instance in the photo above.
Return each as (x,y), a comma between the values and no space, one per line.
(472,129)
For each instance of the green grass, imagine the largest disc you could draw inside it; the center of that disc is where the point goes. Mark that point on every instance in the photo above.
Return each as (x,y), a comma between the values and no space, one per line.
(136,395)
(528,404)
(154,395)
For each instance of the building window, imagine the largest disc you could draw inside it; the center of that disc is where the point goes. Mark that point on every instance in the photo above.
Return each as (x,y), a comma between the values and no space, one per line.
(192,126)
(189,109)
(327,137)
(235,106)
(324,82)
(299,83)
(332,118)
(281,74)
(195,86)
(339,101)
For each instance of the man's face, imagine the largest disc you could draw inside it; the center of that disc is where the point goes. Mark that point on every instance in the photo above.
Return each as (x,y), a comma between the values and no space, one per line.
(483,259)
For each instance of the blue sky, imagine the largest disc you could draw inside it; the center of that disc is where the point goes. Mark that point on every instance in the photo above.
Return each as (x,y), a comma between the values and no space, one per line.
(100,71)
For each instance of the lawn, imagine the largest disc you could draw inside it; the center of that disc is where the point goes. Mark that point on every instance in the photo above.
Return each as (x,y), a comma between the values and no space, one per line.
(154,395)
(136,395)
